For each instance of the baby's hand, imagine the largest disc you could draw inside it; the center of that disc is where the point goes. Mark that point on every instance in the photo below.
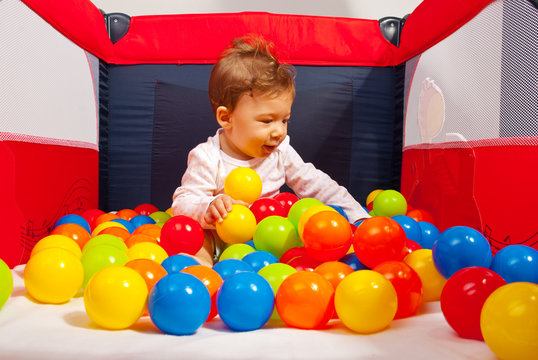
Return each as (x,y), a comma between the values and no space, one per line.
(219,208)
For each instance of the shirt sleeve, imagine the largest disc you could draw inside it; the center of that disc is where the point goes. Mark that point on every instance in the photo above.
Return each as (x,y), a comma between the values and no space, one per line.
(198,186)
(308,181)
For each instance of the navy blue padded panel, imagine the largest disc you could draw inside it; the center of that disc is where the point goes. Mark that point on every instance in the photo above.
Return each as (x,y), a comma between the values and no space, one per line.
(342,121)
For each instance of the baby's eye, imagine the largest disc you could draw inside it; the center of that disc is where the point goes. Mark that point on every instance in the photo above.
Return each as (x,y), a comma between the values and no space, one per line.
(286,121)
(268,121)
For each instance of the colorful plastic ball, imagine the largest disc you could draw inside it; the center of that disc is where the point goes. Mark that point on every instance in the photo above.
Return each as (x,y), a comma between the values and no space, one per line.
(6,283)
(432,281)
(181,234)
(292,253)
(275,234)
(366,301)
(304,262)
(245,301)
(412,246)
(73,219)
(420,215)
(130,227)
(179,304)
(139,220)
(57,241)
(146,209)
(105,239)
(411,227)
(90,215)
(308,214)
(299,207)
(390,203)
(459,247)
(236,251)
(53,276)
(334,271)
(123,234)
(176,263)
(372,195)
(212,282)
(99,257)
(407,285)
(379,239)
(327,236)
(339,210)
(516,263)
(160,217)
(152,230)
(353,261)
(150,271)
(509,321)
(115,297)
(104,218)
(429,234)
(238,226)
(127,214)
(275,275)
(287,200)
(251,244)
(265,207)
(74,231)
(106,225)
(138,238)
(305,300)
(243,184)
(259,259)
(463,297)
(229,267)
(147,250)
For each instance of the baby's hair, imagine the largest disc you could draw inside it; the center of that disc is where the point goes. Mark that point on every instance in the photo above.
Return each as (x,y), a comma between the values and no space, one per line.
(248,65)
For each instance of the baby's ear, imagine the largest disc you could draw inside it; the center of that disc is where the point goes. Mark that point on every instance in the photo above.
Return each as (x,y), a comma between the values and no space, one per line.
(223,117)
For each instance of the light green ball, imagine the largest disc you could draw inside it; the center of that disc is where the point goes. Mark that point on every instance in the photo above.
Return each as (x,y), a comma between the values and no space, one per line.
(6,283)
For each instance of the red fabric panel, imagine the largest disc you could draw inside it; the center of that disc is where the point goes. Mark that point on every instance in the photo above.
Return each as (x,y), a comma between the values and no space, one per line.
(39,184)
(491,188)
(79,20)
(432,21)
(201,38)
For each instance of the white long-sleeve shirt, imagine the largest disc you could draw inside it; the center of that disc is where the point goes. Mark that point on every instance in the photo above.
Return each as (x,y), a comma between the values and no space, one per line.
(208,167)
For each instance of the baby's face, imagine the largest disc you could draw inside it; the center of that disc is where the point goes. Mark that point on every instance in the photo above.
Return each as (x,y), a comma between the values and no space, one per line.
(259,123)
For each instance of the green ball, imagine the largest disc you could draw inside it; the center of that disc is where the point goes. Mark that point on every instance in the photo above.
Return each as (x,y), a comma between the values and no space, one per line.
(236,251)
(390,203)
(275,274)
(104,239)
(99,257)
(6,283)
(160,217)
(298,209)
(275,234)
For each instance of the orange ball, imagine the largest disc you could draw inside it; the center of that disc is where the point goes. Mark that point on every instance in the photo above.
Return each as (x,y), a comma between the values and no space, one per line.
(152,230)
(138,238)
(150,271)
(73,231)
(334,271)
(116,231)
(305,300)
(327,236)
(127,214)
(211,280)
(420,215)
(104,218)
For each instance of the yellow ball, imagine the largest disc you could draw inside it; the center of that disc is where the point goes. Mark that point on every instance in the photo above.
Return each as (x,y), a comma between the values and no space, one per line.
(509,321)
(53,276)
(57,241)
(106,225)
(371,196)
(421,261)
(238,226)
(309,213)
(243,184)
(365,301)
(147,250)
(115,297)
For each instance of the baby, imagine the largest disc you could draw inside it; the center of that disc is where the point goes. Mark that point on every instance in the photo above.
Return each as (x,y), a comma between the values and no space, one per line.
(251,94)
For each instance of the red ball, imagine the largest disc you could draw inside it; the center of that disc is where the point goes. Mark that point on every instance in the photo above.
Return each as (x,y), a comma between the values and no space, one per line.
(378,239)
(292,253)
(407,284)
(181,234)
(265,207)
(464,295)
(286,200)
(412,246)
(90,215)
(304,263)
(420,215)
(327,236)
(146,209)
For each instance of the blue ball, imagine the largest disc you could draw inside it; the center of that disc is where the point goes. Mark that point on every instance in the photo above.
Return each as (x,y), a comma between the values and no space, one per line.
(460,247)
(340,211)
(411,227)
(516,263)
(352,260)
(176,263)
(130,227)
(429,234)
(245,301)
(179,304)
(139,220)
(251,244)
(259,259)
(74,219)
(229,267)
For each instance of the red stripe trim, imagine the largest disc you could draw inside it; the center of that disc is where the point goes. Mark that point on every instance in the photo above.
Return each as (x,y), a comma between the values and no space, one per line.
(505,141)
(6,136)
